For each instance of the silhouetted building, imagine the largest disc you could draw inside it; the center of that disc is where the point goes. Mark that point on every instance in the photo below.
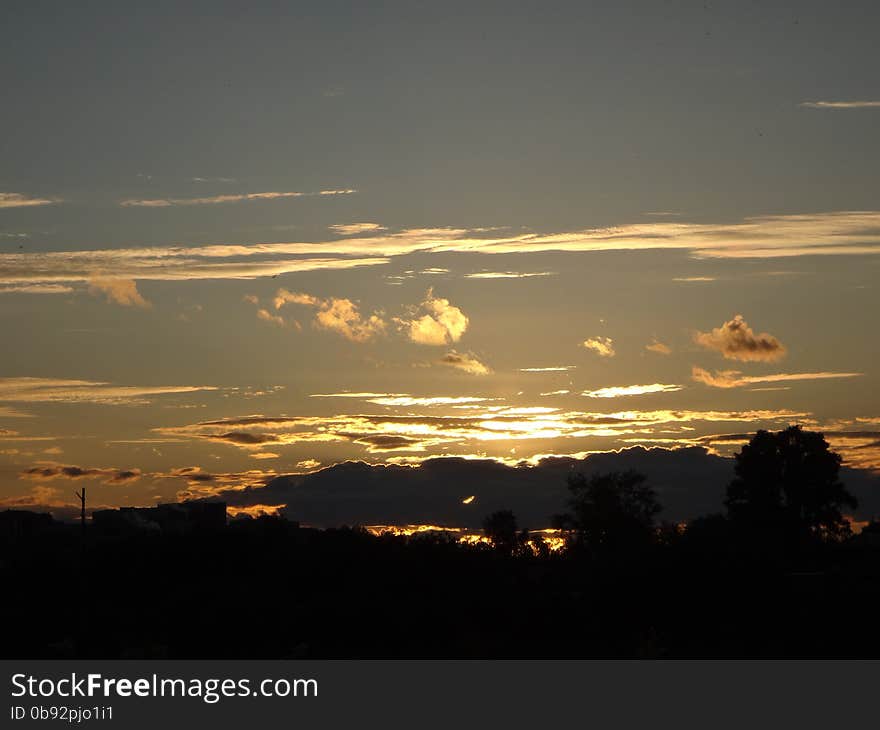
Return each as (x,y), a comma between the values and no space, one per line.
(22,524)
(182,518)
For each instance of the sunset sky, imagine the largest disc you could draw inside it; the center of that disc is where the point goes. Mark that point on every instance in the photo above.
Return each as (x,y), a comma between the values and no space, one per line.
(243,240)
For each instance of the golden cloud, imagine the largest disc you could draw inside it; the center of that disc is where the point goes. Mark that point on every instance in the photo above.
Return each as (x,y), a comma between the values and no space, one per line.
(465,362)
(355,229)
(836,233)
(624,390)
(336,315)
(484,424)
(19,200)
(658,347)
(735,340)
(436,322)
(603,346)
(57,390)
(735,379)
(121,291)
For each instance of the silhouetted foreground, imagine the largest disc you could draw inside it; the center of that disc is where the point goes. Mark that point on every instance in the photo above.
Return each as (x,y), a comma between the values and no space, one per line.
(264,588)
(777,576)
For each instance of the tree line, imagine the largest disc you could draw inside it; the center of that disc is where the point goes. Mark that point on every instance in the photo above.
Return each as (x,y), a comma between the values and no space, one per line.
(786,492)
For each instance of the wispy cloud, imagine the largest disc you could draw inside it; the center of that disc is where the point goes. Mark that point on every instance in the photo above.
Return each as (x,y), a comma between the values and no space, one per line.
(48,471)
(735,340)
(735,379)
(57,390)
(20,200)
(840,104)
(356,229)
(266,316)
(168,264)
(550,369)
(603,346)
(231,198)
(624,390)
(37,289)
(466,362)
(404,399)
(486,425)
(658,347)
(838,233)
(509,274)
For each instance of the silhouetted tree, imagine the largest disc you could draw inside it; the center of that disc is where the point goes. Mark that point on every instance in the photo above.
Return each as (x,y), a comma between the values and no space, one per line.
(500,527)
(610,511)
(789,480)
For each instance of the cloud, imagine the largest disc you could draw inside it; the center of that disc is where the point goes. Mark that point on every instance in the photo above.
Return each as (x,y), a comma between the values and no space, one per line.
(484,425)
(267,316)
(658,347)
(840,104)
(835,233)
(354,229)
(385,442)
(397,279)
(336,315)
(617,391)
(464,361)
(256,510)
(689,482)
(435,322)
(551,369)
(735,379)
(603,346)
(42,498)
(120,291)
(283,297)
(735,340)
(201,483)
(19,200)
(172,264)
(57,390)
(343,317)
(245,438)
(251,299)
(404,399)
(695,279)
(217,199)
(859,448)
(50,471)
(36,289)
(509,274)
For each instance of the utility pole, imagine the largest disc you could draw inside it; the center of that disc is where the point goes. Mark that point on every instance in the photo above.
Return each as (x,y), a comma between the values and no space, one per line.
(82,514)
(81,630)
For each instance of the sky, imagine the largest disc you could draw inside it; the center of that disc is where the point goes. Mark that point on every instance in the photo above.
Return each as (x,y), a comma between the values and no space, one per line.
(247,240)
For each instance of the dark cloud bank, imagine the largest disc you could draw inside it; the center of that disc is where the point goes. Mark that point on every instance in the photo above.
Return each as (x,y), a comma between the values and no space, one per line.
(689,481)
